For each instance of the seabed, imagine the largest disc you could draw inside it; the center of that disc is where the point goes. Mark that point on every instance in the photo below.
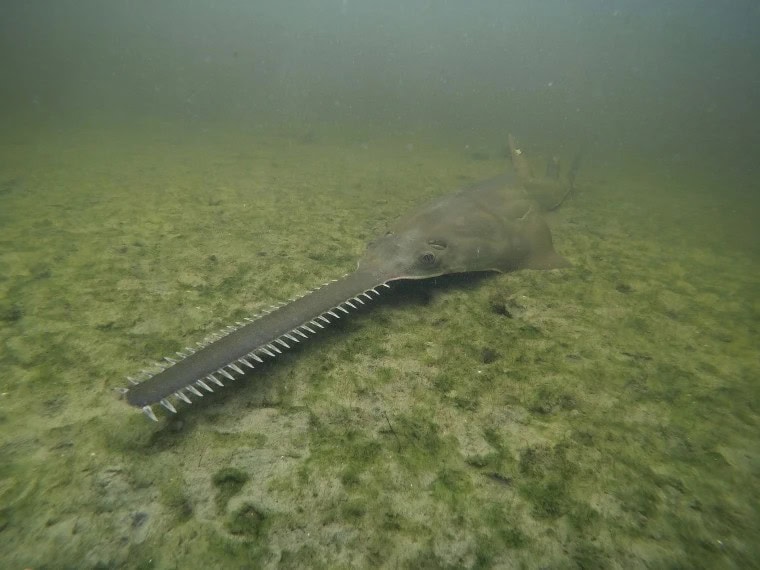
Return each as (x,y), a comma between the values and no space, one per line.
(602,416)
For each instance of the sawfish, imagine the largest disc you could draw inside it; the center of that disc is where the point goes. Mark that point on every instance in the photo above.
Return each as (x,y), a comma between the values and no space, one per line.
(494,225)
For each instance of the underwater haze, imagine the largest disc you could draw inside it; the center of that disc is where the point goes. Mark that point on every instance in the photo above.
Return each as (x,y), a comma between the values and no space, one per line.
(169,169)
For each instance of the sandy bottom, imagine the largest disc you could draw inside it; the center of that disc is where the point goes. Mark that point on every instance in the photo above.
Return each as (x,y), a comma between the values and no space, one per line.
(602,416)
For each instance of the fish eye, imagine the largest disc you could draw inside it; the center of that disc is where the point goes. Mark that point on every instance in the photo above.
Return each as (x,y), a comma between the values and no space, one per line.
(427,258)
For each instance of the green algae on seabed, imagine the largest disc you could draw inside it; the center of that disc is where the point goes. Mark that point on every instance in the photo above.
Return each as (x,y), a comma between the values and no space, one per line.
(598,417)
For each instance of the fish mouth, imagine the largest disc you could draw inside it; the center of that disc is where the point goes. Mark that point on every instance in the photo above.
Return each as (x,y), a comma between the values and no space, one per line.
(235,350)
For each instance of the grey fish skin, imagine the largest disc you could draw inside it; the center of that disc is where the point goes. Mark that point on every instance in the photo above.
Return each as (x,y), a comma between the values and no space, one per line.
(495,225)
(250,337)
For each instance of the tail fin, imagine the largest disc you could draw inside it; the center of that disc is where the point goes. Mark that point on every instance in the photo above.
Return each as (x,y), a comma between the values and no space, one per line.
(569,186)
(576,164)
(550,191)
